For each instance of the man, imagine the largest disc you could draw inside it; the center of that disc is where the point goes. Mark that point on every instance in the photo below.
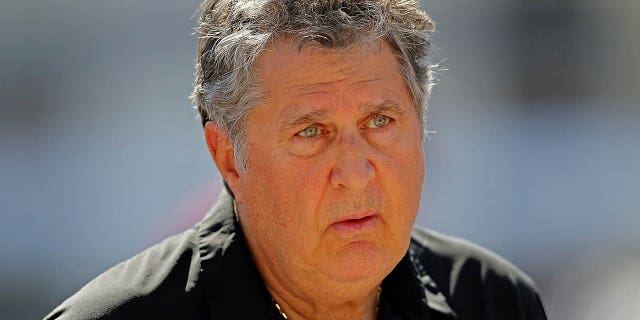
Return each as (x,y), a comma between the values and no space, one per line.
(313,114)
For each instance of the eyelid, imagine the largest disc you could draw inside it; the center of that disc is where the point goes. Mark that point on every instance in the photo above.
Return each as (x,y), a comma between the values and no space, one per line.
(321,130)
(371,117)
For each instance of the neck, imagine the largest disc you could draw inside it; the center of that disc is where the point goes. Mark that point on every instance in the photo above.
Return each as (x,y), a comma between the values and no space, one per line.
(291,307)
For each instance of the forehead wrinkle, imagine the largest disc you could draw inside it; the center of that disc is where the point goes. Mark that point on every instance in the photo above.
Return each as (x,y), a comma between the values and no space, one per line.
(368,80)
(311,88)
(320,87)
(309,93)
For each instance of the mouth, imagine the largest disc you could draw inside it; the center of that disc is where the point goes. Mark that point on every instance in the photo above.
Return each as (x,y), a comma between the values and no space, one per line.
(355,223)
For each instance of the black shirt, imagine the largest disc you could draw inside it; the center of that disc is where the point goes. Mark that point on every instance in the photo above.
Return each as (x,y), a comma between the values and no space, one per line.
(207,272)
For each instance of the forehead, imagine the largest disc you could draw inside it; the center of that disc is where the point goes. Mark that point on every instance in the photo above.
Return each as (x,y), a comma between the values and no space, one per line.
(283,69)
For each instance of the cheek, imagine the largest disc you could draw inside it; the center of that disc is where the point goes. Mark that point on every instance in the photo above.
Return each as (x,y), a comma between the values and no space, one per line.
(289,188)
(384,140)
(403,171)
(405,155)
(413,170)
(308,147)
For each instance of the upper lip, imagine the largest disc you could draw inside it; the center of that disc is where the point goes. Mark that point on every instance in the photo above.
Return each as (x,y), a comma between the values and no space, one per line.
(355,216)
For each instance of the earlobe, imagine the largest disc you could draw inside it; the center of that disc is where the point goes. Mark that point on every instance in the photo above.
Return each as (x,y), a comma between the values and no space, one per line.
(222,153)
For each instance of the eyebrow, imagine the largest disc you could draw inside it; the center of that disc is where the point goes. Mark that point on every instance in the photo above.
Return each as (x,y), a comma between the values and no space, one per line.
(385,106)
(299,119)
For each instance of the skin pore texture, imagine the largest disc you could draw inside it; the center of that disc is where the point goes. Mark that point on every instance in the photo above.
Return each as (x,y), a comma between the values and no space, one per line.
(334,177)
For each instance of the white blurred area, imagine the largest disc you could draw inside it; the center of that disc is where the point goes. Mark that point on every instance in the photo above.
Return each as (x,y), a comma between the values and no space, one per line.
(600,285)
(536,154)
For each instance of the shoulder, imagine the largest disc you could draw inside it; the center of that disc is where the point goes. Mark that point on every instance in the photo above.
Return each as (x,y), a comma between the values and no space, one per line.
(441,248)
(475,281)
(158,281)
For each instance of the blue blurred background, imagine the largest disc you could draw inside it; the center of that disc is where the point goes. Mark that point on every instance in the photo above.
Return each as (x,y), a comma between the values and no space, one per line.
(536,154)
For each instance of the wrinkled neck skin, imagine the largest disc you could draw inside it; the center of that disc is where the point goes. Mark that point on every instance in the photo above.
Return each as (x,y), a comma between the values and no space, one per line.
(321,304)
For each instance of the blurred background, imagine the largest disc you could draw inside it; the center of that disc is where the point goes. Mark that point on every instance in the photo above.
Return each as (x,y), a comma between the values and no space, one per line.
(535,155)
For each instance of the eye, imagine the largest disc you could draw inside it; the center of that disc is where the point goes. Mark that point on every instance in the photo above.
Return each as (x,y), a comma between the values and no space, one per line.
(310,131)
(378,121)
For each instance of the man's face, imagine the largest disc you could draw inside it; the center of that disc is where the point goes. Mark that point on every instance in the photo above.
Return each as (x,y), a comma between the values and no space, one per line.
(335,164)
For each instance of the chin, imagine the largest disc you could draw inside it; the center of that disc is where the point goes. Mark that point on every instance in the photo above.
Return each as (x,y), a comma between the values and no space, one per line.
(362,260)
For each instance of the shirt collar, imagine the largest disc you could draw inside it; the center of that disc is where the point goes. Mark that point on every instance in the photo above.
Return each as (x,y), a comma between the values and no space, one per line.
(234,289)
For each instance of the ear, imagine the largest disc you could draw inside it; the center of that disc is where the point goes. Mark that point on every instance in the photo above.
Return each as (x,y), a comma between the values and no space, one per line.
(222,153)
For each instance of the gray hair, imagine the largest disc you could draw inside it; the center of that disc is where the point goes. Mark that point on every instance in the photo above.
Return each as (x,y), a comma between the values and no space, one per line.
(233,33)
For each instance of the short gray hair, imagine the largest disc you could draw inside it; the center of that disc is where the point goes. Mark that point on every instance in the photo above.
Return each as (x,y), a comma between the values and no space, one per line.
(233,33)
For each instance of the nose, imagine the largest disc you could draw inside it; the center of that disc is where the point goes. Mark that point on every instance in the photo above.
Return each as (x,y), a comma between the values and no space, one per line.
(353,168)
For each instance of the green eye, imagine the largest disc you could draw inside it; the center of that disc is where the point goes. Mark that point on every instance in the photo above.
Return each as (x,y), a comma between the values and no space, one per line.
(378,121)
(310,131)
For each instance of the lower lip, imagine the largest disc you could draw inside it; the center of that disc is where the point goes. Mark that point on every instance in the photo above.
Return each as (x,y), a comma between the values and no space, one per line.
(355,225)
